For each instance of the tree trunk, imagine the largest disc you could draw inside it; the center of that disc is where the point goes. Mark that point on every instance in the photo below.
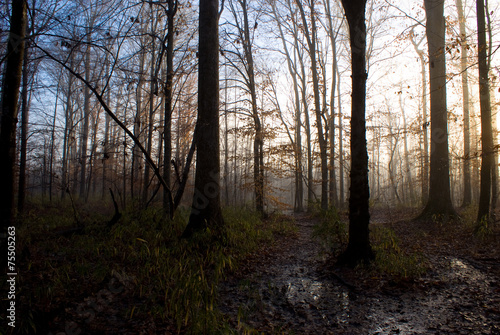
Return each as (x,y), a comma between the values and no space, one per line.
(136,153)
(303,85)
(258,142)
(358,249)
(52,147)
(486,126)
(107,154)
(292,68)
(333,178)
(467,196)
(150,121)
(439,200)
(311,42)
(408,185)
(9,111)
(167,127)
(425,140)
(206,211)
(333,40)
(341,144)
(68,128)
(86,120)
(24,136)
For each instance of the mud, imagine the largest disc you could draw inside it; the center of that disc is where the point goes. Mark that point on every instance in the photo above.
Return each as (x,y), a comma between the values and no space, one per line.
(288,291)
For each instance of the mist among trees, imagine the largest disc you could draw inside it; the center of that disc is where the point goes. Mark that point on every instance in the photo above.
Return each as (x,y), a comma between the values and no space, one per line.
(201,131)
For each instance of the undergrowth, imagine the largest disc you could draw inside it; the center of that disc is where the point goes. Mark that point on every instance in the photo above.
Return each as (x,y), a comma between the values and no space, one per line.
(169,279)
(333,234)
(331,231)
(390,259)
(481,229)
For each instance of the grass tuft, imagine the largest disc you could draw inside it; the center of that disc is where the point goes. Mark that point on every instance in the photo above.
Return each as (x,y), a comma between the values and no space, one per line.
(167,278)
(331,230)
(391,260)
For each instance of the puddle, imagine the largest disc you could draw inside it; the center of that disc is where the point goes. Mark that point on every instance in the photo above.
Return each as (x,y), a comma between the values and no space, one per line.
(288,295)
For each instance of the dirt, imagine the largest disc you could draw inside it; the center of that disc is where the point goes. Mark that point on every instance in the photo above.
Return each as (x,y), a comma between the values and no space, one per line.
(293,288)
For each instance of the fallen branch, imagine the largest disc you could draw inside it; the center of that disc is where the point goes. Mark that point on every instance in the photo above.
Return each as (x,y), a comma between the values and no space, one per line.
(117,214)
(136,141)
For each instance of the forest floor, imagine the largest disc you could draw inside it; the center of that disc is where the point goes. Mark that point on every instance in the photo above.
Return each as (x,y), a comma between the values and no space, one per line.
(292,288)
(428,278)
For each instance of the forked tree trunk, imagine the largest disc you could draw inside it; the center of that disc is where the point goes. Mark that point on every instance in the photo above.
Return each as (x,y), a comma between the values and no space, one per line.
(312,46)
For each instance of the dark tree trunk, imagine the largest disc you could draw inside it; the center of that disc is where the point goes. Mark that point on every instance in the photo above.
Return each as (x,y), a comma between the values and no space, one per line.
(24,137)
(167,127)
(86,120)
(486,126)
(258,144)
(136,153)
(331,122)
(439,200)
(341,144)
(358,249)
(9,112)
(206,211)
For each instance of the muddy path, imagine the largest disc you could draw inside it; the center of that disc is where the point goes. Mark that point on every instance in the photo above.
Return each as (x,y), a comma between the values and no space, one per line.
(287,290)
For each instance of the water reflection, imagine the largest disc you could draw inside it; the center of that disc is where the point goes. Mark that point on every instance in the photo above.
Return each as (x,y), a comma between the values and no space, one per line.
(457,262)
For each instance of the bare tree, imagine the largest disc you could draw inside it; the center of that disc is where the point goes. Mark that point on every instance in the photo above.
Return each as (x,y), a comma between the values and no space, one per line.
(242,34)
(310,34)
(465,98)
(358,249)
(9,111)
(206,210)
(424,122)
(439,200)
(297,141)
(485,195)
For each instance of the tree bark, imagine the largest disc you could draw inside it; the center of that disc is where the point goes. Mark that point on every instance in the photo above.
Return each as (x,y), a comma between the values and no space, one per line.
(425,139)
(86,120)
(341,144)
(358,248)
(150,122)
(258,144)
(485,194)
(206,210)
(9,112)
(167,126)
(311,42)
(136,153)
(467,196)
(333,178)
(21,196)
(439,201)
(68,128)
